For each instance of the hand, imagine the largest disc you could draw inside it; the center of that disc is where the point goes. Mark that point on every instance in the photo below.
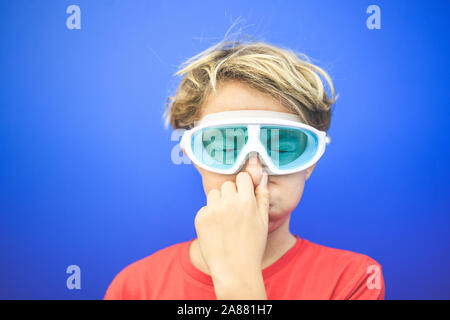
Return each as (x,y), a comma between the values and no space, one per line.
(232,228)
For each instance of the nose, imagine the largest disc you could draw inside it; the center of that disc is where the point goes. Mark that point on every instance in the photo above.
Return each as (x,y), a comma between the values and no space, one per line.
(254,167)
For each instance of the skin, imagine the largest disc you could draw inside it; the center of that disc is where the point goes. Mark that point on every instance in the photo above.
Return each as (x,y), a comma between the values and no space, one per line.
(245,221)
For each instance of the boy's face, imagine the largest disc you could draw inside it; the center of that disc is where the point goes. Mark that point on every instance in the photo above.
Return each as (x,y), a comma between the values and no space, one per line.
(285,190)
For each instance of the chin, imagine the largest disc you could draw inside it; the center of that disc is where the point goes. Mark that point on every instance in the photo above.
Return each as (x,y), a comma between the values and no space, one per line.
(273,226)
(277,217)
(274,221)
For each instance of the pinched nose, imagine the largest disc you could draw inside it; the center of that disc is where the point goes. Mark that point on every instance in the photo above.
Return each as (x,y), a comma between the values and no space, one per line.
(254,167)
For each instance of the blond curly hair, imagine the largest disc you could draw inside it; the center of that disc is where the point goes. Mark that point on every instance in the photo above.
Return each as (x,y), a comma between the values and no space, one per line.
(280,72)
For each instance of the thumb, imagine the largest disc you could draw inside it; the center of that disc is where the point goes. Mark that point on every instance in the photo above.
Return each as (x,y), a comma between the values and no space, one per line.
(262,195)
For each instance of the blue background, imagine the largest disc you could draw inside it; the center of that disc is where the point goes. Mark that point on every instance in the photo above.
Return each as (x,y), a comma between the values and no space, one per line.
(86,176)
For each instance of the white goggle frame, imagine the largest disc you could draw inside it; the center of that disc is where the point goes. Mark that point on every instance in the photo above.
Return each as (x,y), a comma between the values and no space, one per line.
(253,119)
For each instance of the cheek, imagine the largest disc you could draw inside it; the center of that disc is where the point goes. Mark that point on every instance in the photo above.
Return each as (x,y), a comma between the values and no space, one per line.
(212,180)
(285,193)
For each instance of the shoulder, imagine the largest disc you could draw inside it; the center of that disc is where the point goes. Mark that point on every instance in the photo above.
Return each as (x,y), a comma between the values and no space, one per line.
(354,275)
(336,256)
(130,281)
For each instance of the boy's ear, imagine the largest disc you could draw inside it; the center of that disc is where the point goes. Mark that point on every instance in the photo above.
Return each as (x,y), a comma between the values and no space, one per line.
(309,171)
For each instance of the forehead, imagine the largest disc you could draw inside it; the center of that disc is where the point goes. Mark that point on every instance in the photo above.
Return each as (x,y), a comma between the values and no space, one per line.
(235,95)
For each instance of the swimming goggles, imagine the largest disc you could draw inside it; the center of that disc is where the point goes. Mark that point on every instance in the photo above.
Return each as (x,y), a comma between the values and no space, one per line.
(222,142)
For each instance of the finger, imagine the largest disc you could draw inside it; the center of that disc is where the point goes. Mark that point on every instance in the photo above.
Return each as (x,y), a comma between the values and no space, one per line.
(212,197)
(202,212)
(244,183)
(262,195)
(228,188)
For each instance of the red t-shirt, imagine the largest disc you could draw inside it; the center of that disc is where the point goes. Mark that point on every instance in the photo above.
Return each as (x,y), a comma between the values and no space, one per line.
(305,271)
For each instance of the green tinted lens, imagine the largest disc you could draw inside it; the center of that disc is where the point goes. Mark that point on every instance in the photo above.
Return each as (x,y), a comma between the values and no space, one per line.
(288,147)
(219,147)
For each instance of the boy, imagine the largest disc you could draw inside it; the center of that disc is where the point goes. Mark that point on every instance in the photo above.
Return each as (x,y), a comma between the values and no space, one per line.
(258,116)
